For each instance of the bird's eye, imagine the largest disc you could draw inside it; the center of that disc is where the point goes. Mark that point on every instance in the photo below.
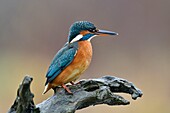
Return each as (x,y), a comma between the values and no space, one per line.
(93,30)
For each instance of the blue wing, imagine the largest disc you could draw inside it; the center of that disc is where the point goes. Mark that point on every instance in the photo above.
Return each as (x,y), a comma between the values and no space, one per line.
(61,60)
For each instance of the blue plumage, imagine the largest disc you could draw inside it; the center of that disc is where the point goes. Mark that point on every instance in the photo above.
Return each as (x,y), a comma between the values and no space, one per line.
(61,60)
(79,37)
(79,26)
(86,37)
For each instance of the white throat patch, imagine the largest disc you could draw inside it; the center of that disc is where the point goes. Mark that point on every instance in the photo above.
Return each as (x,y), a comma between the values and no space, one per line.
(78,37)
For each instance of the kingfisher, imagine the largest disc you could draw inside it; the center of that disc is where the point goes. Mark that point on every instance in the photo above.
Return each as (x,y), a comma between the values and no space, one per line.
(74,57)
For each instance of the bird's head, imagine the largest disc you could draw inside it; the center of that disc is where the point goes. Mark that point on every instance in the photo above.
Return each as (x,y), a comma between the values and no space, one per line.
(84,30)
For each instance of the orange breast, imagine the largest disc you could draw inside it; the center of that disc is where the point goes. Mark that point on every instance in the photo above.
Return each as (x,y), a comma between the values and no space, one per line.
(78,65)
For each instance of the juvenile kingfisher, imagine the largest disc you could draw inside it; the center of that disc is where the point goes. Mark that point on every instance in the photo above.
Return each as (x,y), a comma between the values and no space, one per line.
(74,57)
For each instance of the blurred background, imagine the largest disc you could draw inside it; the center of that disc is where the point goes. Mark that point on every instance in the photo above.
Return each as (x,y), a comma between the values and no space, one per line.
(32,31)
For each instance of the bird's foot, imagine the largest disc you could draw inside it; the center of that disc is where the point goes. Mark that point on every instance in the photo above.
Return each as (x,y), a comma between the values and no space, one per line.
(66,88)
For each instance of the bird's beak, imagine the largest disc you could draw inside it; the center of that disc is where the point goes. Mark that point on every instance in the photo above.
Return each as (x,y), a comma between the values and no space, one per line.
(105,33)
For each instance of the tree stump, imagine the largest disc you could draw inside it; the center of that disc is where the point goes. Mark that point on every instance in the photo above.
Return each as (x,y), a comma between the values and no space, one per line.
(86,92)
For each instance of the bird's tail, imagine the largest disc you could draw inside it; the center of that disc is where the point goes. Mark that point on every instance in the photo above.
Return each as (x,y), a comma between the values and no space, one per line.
(47,88)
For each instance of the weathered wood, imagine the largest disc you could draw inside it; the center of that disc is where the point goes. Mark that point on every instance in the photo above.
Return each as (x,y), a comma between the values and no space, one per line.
(85,93)
(24,101)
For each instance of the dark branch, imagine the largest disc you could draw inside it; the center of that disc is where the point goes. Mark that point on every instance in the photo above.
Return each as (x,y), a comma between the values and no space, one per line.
(85,93)
(24,100)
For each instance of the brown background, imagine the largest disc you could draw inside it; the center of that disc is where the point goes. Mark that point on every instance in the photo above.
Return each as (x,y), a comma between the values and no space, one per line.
(32,31)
